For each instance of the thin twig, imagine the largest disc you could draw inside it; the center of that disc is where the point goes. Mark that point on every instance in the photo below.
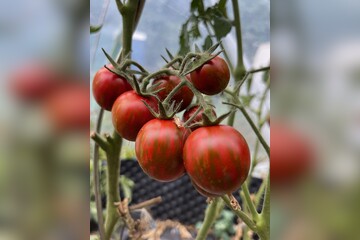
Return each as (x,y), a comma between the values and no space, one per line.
(98,202)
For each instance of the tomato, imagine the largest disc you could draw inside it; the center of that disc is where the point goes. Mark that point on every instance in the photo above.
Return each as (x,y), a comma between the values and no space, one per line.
(202,191)
(191,111)
(107,86)
(33,82)
(129,114)
(68,107)
(168,83)
(159,149)
(291,155)
(211,78)
(217,158)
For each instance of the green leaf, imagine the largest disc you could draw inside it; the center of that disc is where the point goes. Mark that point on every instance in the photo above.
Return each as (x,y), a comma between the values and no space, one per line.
(222,26)
(207,43)
(195,31)
(95,29)
(197,5)
(246,99)
(184,40)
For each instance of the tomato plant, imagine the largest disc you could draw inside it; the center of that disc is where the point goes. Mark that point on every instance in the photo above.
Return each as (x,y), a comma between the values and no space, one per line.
(129,114)
(168,83)
(159,149)
(107,86)
(213,77)
(217,158)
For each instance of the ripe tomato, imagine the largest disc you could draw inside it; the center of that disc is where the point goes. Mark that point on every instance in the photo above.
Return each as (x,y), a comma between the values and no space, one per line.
(202,191)
(291,155)
(129,114)
(159,149)
(191,111)
(33,82)
(211,78)
(169,83)
(107,86)
(217,158)
(68,107)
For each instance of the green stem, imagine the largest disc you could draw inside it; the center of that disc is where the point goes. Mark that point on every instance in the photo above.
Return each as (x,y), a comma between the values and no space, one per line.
(147,79)
(253,126)
(264,220)
(99,210)
(239,71)
(112,177)
(210,217)
(250,203)
(245,218)
(128,13)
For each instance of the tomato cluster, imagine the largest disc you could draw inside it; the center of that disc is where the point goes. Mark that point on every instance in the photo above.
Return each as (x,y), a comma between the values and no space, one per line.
(216,157)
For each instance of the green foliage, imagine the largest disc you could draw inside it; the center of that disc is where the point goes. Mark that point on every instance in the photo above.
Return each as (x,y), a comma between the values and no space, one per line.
(214,18)
(127,186)
(95,29)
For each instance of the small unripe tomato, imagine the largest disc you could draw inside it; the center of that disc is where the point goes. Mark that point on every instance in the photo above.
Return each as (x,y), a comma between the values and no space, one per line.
(107,86)
(217,158)
(129,114)
(198,118)
(168,83)
(159,149)
(212,77)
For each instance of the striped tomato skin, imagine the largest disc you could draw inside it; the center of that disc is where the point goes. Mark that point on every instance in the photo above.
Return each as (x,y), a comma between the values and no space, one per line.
(217,158)
(159,148)
(202,191)
(129,114)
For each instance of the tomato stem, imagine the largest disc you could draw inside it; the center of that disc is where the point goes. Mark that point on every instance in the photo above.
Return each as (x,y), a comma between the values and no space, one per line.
(252,124)
(96,177)
(249,202)
(210,217)
(243,216)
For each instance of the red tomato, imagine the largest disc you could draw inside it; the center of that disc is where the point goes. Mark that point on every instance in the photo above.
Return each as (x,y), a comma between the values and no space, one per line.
(159,149)
(211,78)
(202,191)
(168,83)
(129,114)
(107,86)
(191,111)
(33,82)
(291,155)
(68,107)
(217,158)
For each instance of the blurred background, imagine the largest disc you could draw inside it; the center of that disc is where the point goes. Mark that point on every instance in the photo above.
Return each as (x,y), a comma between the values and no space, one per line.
(44,119)
(315,108)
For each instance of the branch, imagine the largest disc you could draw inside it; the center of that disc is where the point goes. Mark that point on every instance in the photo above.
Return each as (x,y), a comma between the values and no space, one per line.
(210,217)
(98,202)
(253,126)
(245,218)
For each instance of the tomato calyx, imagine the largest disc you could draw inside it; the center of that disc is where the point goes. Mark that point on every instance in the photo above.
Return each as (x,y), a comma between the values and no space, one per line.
(193,61)
(164,110)
(208,118)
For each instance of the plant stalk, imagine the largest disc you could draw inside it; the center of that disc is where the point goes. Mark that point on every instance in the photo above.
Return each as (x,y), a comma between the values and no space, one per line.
(210,217)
